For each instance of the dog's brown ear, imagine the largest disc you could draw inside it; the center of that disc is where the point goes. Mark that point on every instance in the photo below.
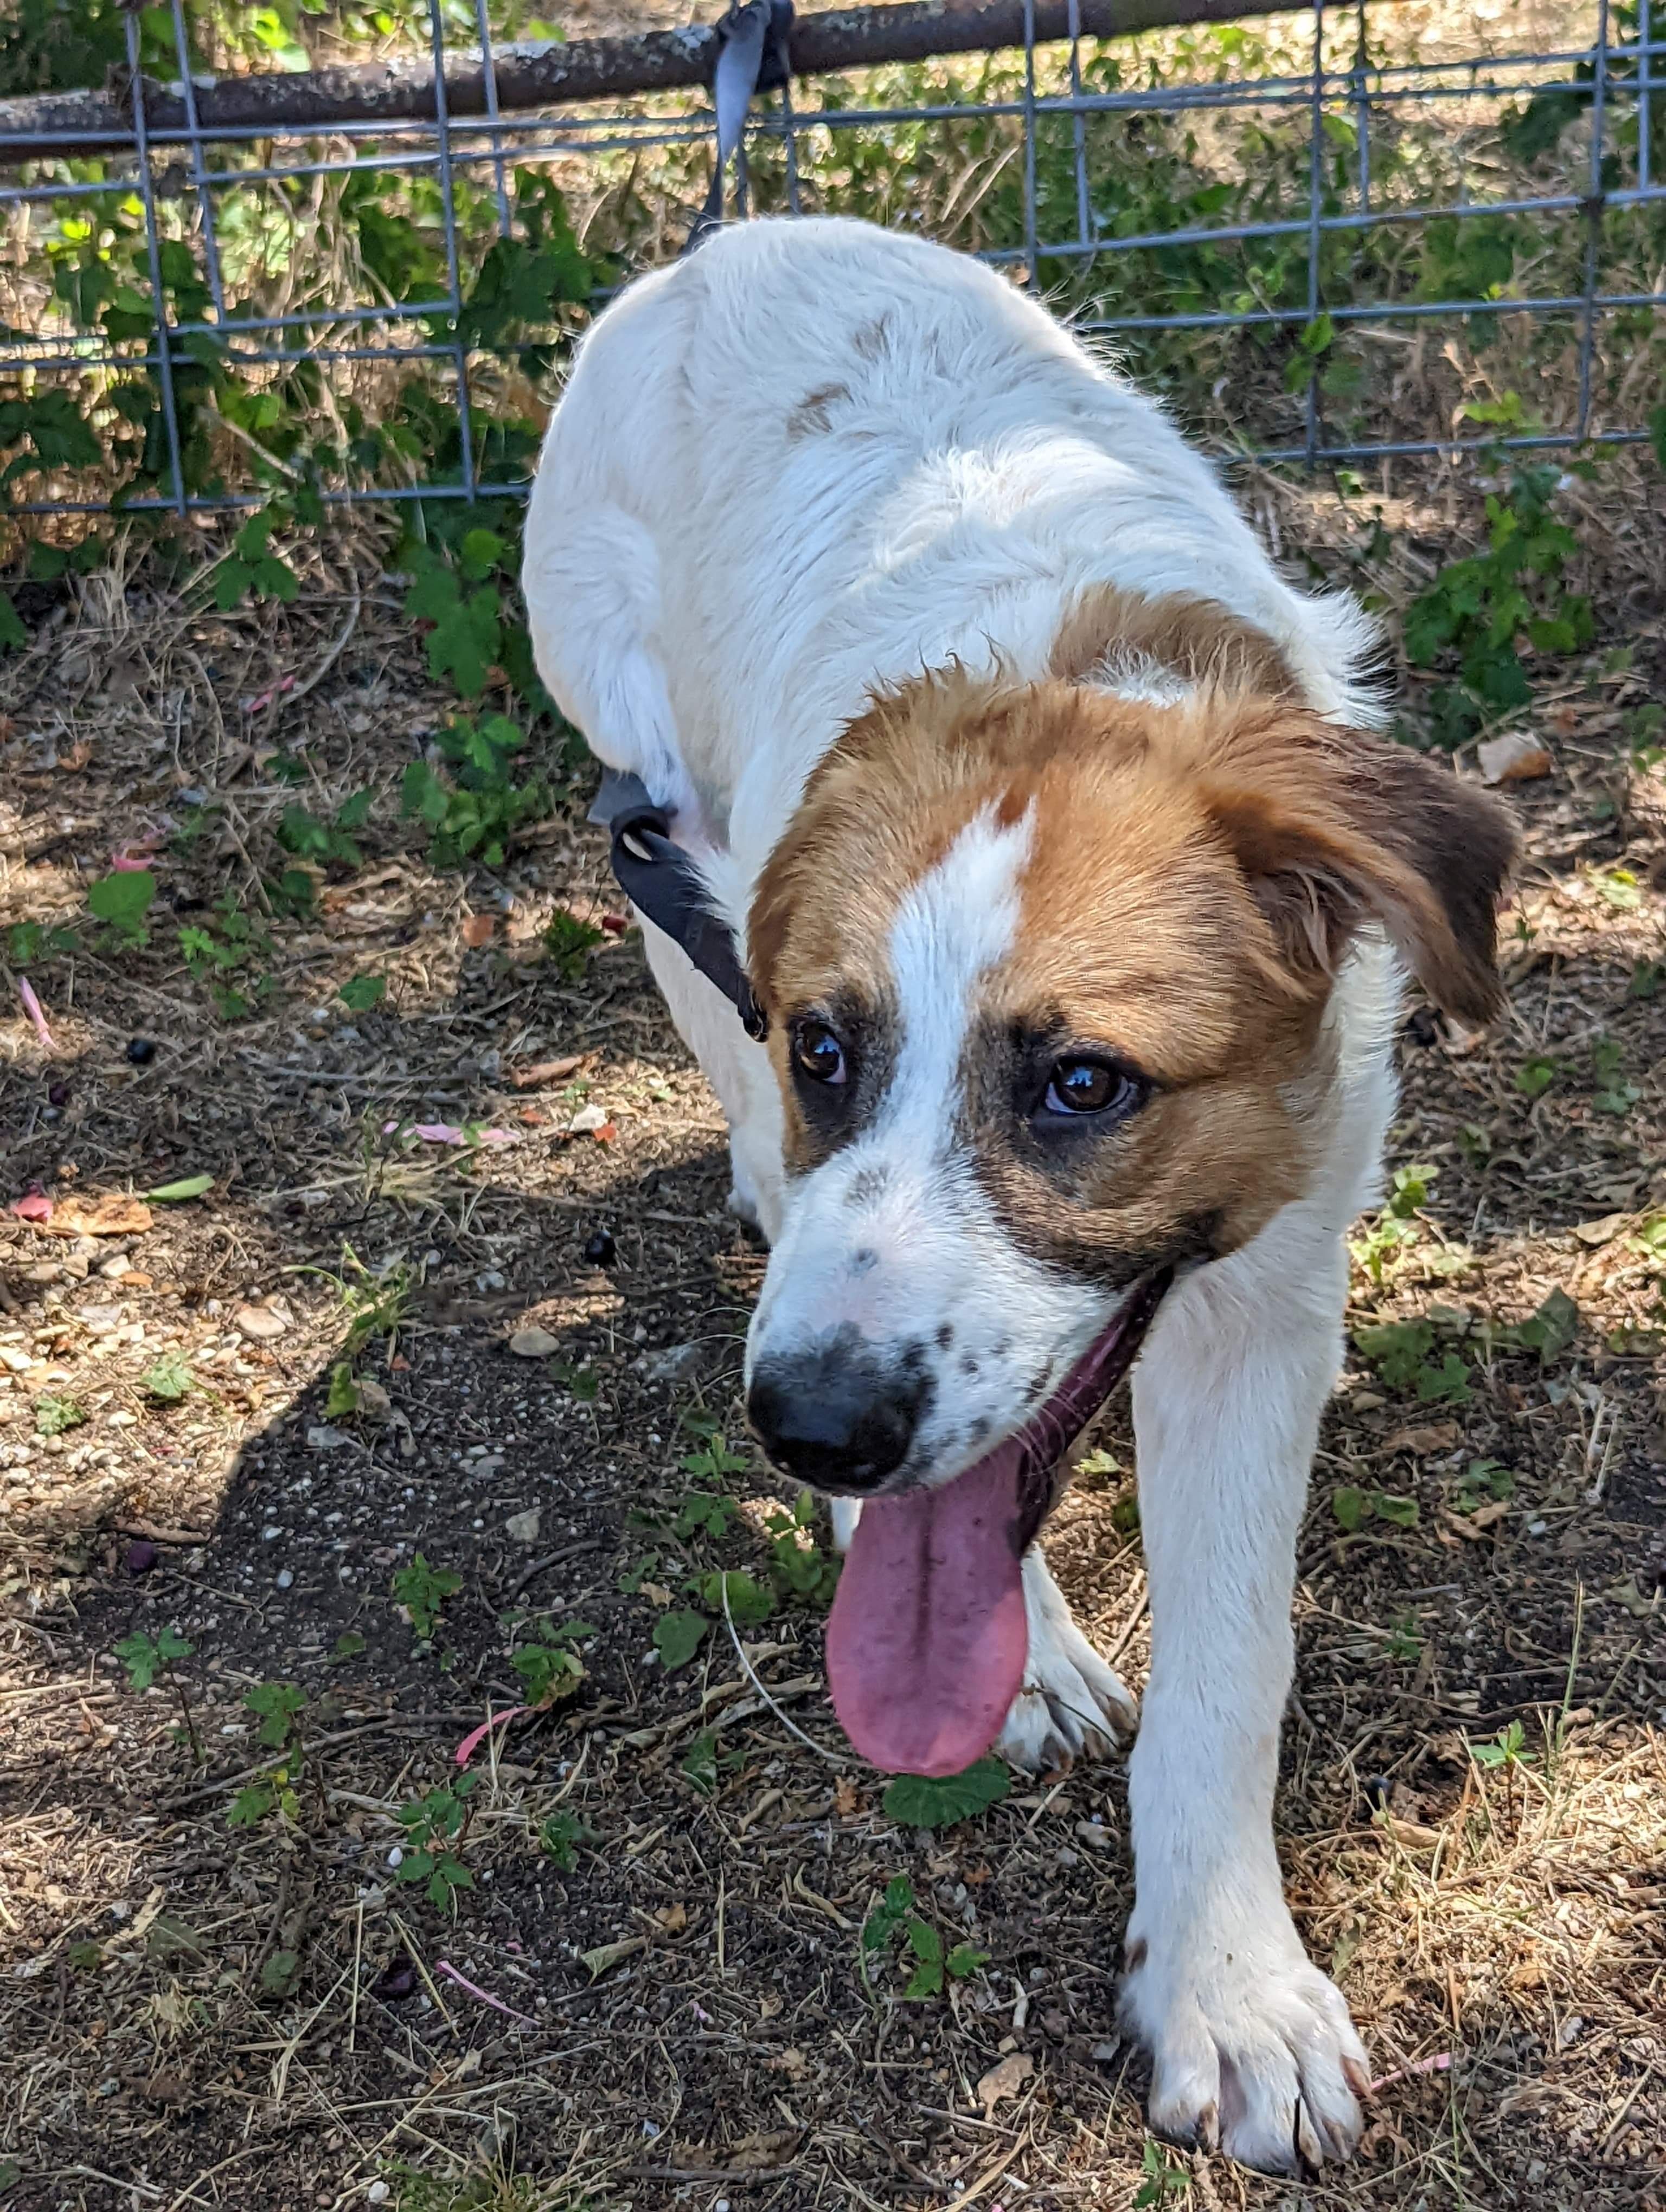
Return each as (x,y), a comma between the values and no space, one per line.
(1333,830)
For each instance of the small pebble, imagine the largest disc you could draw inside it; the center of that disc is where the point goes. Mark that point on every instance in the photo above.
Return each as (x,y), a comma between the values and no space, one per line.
(285,1579)
(600,1250)
(141,1051)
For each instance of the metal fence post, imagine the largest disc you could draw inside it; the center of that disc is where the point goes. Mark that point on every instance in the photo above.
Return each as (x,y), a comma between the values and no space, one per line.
(154,252)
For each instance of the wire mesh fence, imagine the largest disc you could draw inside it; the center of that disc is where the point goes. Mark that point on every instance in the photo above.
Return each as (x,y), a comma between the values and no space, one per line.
(1335,238)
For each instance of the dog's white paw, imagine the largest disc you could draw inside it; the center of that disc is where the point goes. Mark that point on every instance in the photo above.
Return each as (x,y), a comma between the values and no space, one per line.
(1252,2049)
(1071,1703)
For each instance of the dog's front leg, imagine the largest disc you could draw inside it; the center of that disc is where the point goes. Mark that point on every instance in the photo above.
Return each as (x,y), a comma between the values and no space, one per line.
(1252,2045)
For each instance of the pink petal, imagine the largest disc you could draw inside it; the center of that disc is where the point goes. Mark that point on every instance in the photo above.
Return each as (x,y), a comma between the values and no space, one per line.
(437,1133)
(497,1136)
(34,1205)
(32,1008)
(472,1741)
(444,1967)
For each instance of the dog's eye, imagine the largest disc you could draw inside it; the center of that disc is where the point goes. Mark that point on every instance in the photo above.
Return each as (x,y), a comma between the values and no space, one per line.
(1089,1086)
(818,1053)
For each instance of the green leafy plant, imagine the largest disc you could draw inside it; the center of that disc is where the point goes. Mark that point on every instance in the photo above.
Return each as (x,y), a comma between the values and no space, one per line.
(1353,1508)
(677,1637)
(1475,619)
(145,1657)
(122,901)
(1402,1642)
(326,843)
(1161,2181)
(551,1671)
(278,1706)
(1535,1077)
(896,1915)
(559,1838)
(422,1591)
(168,1379)
(360,994)
(1614,1094)
(1395,1227)
(341,1400)
(472,814)
(1505,1749)
(801,1568)
(1401,1353)
(54,1415)
(251,569)
(922,1801)
(224,955)
(569,943)
(435,1826)
(1483,1482)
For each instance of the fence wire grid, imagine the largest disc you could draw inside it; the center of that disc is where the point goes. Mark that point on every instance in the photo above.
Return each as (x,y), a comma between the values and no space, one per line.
(1578,206)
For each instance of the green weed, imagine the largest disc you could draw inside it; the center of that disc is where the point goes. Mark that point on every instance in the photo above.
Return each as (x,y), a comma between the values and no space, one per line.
(168,1379)
(422,1591)
(145,1657)
(1353,1508)
(54,1416)
(436,1827)
(895,1915)
(1475,620)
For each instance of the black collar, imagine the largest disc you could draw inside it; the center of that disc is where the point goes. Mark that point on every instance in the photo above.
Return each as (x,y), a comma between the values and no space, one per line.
(664,883)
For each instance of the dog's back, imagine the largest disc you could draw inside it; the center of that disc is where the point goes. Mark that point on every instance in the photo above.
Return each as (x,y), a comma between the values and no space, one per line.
(817,455)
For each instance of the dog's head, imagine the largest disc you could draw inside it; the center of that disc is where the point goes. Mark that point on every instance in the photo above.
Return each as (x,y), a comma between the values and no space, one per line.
(1048,970)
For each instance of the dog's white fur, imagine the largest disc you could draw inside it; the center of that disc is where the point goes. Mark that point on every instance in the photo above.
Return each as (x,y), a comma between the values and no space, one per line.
(806,463)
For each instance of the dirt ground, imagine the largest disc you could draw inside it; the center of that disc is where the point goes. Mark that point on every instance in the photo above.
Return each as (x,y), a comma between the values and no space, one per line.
(664,2001)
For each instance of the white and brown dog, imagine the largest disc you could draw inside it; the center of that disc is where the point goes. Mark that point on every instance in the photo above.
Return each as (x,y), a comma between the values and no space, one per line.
(1051,832)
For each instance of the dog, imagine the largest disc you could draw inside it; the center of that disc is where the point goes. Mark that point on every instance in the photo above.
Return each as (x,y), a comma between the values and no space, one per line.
(1075,886)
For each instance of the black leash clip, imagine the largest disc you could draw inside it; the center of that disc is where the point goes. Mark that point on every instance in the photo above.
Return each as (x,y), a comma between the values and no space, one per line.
(662,882)
(753,56)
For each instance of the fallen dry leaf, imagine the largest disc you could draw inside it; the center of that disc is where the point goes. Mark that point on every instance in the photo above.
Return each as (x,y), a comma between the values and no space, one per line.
(113,1215)
(1430,1436)
(1004,2080)
(477,930)
(674,1918)
(763,2148)
(609,1954)
(550,1071)
(1513,758)
(1602,1232)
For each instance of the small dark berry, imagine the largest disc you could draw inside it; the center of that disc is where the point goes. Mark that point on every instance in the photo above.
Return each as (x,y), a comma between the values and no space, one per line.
(141,1051)
(57,1094)
(1377,1789)
(397,1982)
(141,1557)
(600,1250)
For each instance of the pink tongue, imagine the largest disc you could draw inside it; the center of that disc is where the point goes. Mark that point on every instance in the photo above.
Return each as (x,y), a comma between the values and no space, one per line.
(927,1641)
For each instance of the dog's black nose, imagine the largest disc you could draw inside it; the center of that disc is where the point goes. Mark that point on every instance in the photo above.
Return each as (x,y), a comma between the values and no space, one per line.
(833,1419)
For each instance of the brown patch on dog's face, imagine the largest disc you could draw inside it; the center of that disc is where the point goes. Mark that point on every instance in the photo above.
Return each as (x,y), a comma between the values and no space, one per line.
(1194,876)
